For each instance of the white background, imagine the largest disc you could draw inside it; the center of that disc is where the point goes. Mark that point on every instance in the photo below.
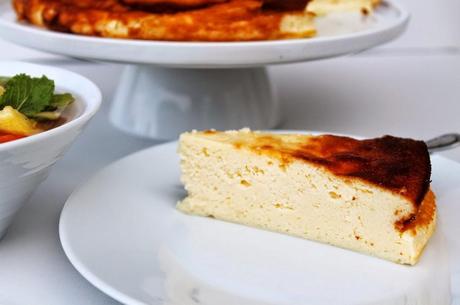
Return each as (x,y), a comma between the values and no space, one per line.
(410,87)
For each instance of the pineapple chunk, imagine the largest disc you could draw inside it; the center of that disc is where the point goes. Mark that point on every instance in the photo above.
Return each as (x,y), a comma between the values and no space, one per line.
(14,122)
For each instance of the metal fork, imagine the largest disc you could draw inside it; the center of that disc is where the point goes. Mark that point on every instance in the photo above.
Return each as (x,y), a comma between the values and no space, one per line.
(443,142)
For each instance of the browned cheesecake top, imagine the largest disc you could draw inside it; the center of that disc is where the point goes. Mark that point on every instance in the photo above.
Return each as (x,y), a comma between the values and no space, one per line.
(397,164)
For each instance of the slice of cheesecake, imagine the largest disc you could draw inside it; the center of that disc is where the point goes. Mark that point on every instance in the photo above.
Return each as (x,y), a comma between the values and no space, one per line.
(371,196)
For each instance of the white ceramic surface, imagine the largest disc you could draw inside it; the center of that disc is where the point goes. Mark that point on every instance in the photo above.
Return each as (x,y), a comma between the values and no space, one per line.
(391,20)
(25,163)
(185,99)
(122,233)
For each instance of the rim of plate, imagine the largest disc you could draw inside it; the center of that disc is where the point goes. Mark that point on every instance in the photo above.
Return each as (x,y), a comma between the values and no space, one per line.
(401,20)
(74,260)
(90,100)
(85,272)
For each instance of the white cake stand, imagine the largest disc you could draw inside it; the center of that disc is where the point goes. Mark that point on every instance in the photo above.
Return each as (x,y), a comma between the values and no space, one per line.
(175,86)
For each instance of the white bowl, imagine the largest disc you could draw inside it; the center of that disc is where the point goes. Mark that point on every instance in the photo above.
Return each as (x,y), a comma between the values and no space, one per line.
(26,162)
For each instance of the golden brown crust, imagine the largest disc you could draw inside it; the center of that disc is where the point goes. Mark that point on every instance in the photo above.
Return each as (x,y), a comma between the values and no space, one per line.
(169,5)
(424,216)
(399,165)
(236,20)
(376,3)
(180,3)
(285,4)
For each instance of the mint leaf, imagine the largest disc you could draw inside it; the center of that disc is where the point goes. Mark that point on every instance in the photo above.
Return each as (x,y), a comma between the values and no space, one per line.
(61,100)
(28,95)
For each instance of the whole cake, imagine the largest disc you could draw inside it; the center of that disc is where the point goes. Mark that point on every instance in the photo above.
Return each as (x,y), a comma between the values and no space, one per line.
(233,20)
(372,196)
(185,20)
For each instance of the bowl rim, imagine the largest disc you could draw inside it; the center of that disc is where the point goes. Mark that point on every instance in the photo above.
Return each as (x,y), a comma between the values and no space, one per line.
(89,105)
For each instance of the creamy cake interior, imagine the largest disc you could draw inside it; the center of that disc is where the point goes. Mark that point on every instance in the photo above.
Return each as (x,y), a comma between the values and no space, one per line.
(368,196)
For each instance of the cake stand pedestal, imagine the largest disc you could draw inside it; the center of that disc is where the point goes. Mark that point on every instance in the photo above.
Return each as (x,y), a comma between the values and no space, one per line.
(163,102)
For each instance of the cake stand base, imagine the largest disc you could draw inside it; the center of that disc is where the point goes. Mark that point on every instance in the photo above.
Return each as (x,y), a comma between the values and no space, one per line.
(160,103)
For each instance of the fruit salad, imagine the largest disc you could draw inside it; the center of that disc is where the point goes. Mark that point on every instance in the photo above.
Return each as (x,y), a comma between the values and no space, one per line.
(30,105)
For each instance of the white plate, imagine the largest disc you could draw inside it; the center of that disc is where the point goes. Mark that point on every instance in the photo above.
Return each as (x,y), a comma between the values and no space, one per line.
(122,233)
(391,20)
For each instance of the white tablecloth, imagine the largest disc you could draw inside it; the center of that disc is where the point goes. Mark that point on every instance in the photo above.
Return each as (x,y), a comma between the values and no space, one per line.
(408,88)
